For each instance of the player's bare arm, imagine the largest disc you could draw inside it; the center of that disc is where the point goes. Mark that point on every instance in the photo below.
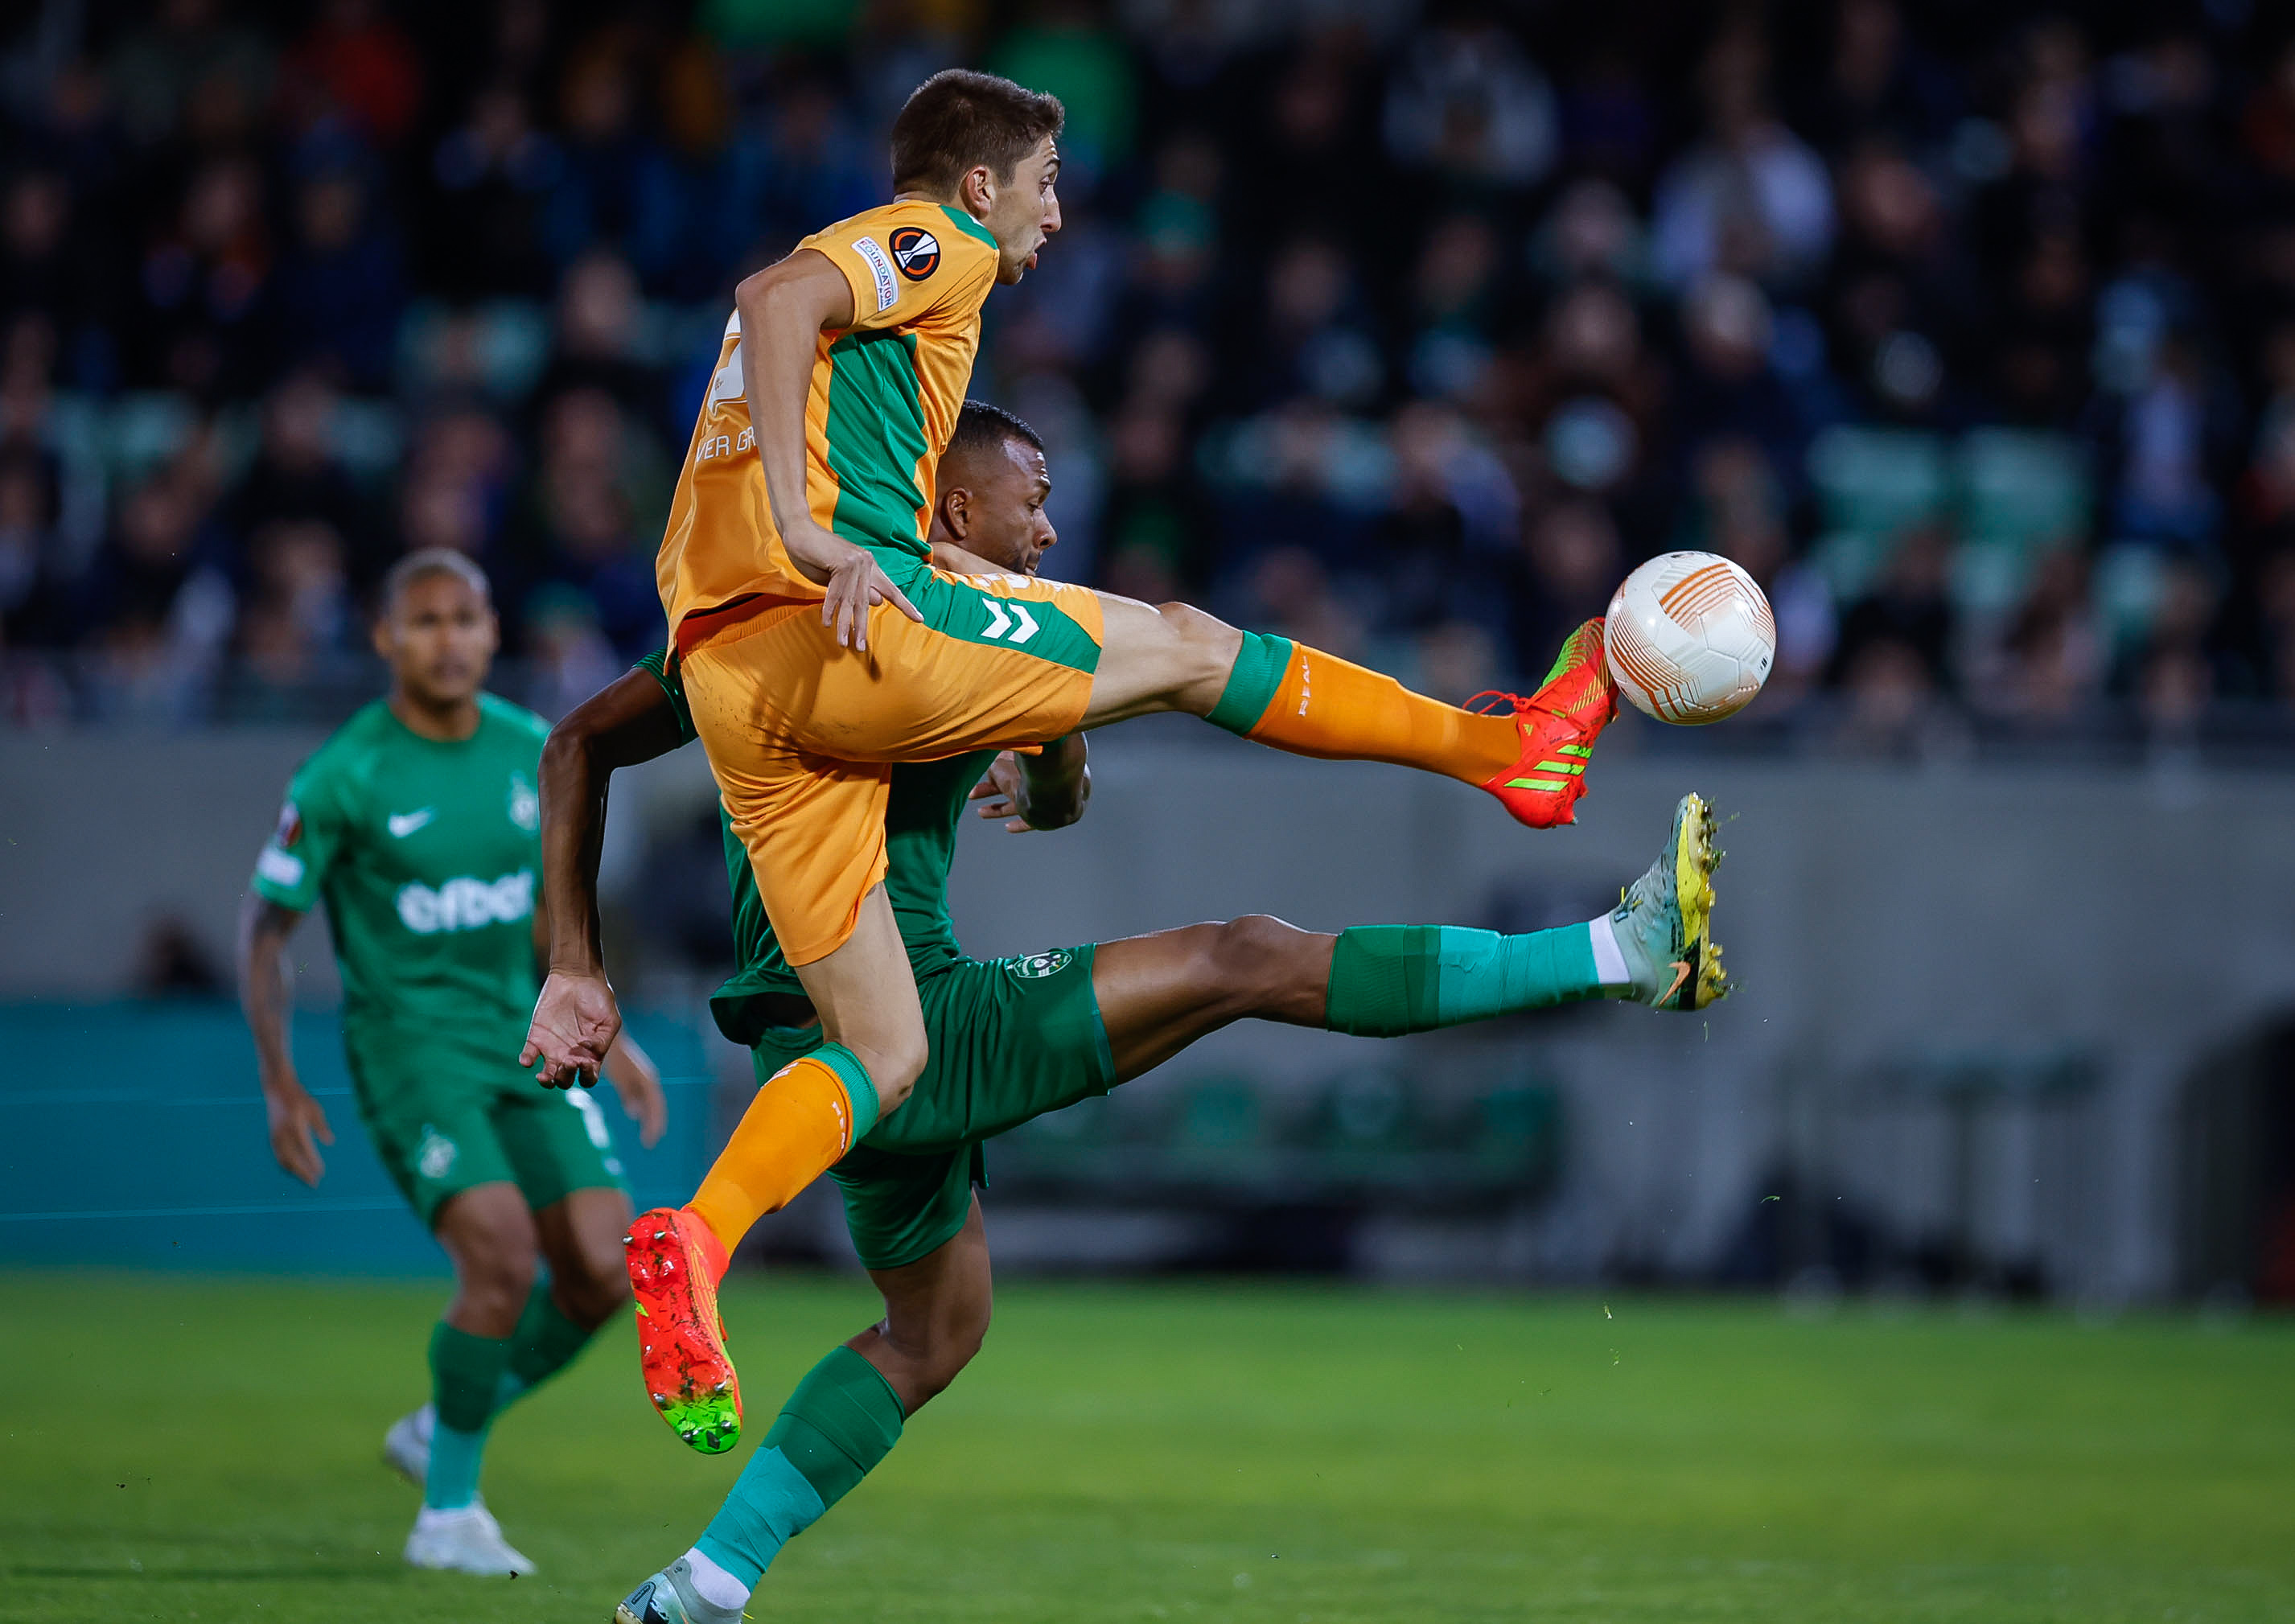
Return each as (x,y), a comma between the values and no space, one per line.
(636,1079)
(784,309)
(576,1019)
(296,1119)
(1044,791)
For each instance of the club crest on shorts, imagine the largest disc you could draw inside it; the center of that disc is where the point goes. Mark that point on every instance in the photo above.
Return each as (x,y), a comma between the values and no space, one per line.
(436,1157)
(1035,967)
(917,251)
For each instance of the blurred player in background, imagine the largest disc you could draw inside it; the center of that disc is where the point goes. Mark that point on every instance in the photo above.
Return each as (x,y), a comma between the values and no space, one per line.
(819,646)
(1013,1038)
(418,825)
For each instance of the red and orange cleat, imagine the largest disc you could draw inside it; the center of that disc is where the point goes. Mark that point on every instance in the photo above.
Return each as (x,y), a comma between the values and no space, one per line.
(675,1262)
(1559,725)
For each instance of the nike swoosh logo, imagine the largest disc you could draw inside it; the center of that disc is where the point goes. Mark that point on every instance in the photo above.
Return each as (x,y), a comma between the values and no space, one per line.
(1680,975)
(402,824)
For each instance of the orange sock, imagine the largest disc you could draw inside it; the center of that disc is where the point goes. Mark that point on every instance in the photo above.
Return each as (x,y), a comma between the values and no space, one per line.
(1316,703)
(805,1119)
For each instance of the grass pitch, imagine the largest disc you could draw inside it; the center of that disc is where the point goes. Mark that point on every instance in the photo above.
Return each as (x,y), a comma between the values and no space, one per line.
(181,1448)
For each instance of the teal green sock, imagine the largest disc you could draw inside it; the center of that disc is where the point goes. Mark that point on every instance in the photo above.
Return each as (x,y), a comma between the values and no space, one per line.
(1251,684)
(466,1372)
(843,1418)
(544,1345)
(860,1092)
(1390,979)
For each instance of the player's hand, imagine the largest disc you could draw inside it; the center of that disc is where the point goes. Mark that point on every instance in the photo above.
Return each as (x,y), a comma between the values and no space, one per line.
(853,581)
(295,1121)
(576,1022)
(638,1080)
(1003,793)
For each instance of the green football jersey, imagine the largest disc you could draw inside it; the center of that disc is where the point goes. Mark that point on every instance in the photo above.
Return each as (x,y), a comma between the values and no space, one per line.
(921,819)
(427,854)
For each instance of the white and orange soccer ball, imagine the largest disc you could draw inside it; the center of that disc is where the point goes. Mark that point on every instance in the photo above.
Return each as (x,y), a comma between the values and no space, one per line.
(1691,637)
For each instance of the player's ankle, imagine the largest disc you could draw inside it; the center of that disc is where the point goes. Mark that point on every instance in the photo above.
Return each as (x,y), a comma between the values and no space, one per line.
(712,1584)
(715,1250)
(1620,963)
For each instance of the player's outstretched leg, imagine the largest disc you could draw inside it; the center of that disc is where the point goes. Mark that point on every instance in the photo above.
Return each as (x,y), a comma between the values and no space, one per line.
(1158,994)
(1654,948)
(1305,701)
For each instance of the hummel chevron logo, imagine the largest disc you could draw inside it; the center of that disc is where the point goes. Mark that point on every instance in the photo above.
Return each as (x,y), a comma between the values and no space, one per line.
(402,824)
(1000,623)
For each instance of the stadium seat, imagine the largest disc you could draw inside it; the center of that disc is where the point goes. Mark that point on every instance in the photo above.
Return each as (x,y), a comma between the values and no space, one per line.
(2021,495)
(1872,485)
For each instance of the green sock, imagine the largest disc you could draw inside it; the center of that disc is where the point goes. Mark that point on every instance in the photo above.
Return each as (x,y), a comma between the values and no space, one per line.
(544,1345)
(465,1373)
(1251,684)
(1390,979)
(860,1092)
(843,1418)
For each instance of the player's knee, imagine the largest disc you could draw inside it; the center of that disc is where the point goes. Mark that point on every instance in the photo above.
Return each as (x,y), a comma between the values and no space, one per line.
(1204,646)
(497,1270)
(593,1285)
(894,1065)
(1254,959)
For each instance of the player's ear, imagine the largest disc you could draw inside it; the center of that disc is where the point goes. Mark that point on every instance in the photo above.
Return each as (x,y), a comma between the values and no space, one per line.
(977,190)
(956,511)
(384,641)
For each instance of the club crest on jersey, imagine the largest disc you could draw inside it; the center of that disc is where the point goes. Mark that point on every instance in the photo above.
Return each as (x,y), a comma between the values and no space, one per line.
(917,251)
(524,806)
(1035,967)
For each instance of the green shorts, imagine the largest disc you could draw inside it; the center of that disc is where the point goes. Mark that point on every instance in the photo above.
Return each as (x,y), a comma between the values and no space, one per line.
(1011,1039)
(443,1119)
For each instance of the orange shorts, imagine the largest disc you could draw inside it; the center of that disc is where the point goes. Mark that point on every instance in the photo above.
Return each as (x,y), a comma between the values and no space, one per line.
(802,735)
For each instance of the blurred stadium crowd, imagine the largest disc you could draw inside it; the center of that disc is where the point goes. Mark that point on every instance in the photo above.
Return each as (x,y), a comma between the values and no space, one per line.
(1969,329)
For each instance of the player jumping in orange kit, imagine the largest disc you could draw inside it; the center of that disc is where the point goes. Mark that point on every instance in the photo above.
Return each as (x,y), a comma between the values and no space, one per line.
(818,646)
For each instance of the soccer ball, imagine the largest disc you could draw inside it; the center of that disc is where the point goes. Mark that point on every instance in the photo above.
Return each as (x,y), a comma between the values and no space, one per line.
(1691,637)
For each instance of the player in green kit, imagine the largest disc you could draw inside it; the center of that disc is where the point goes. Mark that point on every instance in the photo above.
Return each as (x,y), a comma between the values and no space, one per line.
(1013,1038)
(418,824)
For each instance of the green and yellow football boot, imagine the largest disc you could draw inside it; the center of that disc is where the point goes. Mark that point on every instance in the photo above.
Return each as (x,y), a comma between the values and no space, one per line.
(1664,920)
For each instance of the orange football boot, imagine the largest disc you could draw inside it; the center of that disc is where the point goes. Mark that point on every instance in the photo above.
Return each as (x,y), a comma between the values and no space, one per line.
(675,1261)
(1559,725)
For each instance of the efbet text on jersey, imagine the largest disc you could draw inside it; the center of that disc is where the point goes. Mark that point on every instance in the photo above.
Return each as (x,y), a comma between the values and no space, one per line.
(466,904)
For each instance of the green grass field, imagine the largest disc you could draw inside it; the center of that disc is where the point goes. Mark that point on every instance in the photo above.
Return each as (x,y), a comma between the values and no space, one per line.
(182,1449)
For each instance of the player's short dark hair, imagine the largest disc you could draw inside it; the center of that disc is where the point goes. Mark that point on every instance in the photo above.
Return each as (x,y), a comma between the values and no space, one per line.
(426,562)
(958,120)
(981,427)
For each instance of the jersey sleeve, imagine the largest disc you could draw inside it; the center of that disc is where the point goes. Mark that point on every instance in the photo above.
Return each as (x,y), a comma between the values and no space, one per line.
(294,861)
(903,271)
(656,665)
